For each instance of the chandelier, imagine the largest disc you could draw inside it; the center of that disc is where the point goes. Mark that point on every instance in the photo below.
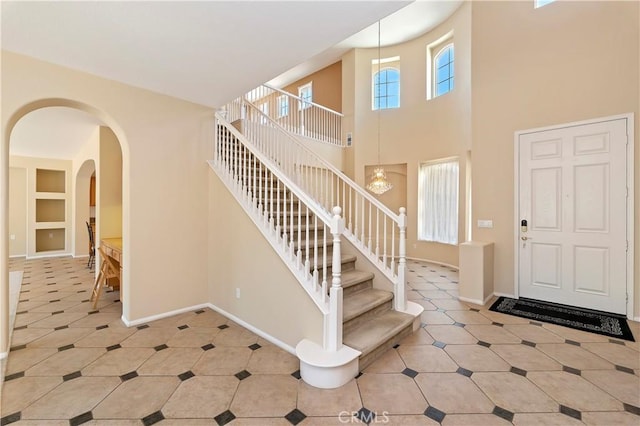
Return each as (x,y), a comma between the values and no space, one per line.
(379,184)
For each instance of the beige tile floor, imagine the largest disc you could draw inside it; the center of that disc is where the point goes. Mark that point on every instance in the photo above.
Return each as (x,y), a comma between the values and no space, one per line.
(70,364)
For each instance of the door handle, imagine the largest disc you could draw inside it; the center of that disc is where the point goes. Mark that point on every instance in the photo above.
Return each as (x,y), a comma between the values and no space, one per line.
(523,238)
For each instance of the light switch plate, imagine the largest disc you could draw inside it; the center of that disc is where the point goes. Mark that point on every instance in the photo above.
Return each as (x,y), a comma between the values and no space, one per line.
(483,223)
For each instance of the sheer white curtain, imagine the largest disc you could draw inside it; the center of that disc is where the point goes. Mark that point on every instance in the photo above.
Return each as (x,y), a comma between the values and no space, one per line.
(438,202)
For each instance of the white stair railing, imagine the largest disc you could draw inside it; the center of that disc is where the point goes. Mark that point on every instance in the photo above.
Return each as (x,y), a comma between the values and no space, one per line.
(373,228)
(305,236)
(293,113)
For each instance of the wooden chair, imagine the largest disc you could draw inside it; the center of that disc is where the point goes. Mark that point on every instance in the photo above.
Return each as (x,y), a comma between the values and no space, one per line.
(108,269)
(92,247)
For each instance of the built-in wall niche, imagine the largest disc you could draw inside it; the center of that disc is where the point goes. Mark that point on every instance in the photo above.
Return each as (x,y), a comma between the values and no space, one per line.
(50,210)
(50,239)
(50,180)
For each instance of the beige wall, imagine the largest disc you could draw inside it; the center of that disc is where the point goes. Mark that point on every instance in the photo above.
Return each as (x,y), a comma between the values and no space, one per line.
(327,86)
(271,298)
(165,144)
(419,130)
(18,211)
(109,187)
(568,61)
(84,165)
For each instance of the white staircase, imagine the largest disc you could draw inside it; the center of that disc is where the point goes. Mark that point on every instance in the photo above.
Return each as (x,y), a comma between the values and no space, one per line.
(299,200)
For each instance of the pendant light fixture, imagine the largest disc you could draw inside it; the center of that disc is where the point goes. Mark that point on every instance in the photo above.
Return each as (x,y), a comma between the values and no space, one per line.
(379,184)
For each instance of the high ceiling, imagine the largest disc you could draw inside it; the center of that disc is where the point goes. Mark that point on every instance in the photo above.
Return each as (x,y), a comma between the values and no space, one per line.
(206,51)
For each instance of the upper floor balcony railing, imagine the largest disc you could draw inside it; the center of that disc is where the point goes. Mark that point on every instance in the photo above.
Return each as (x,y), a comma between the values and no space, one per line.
(294,114)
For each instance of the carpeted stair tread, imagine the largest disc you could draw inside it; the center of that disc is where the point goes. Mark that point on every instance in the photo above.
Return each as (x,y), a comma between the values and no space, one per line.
(354,277)
(379,329)
(358,303)
(344,258)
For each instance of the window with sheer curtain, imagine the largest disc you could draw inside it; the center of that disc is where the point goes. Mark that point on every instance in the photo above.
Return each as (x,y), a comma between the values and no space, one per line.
(438,184)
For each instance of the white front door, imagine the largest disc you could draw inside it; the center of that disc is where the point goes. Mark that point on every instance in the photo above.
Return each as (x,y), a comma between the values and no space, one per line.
(573,197)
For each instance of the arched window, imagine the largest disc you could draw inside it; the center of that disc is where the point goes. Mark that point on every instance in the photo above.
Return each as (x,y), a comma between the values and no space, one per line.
(443,71)
(386,89)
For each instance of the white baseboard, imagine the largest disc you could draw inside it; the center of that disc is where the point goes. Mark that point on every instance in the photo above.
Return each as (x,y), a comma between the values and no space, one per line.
(42,256)
(476,301)
(144,320)
(636,319)
(4,355)
(265,336)
(512,296)
(18,255)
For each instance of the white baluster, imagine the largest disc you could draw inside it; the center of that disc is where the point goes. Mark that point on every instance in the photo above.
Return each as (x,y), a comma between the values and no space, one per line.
(335,296)
(400,298)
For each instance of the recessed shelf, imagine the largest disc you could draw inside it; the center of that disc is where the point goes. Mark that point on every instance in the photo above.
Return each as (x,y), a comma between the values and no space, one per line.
(48,210)
(50,180)
(50,239)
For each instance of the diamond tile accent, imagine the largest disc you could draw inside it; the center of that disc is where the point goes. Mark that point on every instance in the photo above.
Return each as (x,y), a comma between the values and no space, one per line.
(224,418)
(296,374)
(396,346)
(464,372)
(65,347)
(359,375)
(199,311)
(571,370)
(223,326)
(14,376)
(11,418)
(182,327)
(295,416)
(93,312)
(505,414)
(186,375)
(207,347)
(459,324)
(439,344)
(161,347)
(624,369)
(485,344)
(528,343)
(142,327)
(72,376)
(62,327)
(242,374)
(80,419)
(498,324)
(535,323)
(570,412)
(474,310)
(631,409)
(617,342)
(518,371)
(365,415)
(113,347)
(129,376)
(153,418)
(434,414)
(409,372)
(255,346)
(572,342)
(17,348)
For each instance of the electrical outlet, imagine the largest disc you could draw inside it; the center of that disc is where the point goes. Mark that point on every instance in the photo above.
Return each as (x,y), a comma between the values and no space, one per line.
(12,236)
(50,234)
(237,292)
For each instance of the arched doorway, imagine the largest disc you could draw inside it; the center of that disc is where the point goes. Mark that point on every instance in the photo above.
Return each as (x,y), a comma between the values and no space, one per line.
(111,130)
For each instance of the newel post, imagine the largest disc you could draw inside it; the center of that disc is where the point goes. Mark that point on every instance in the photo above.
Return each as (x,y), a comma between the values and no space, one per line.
(334,332)
(401,293)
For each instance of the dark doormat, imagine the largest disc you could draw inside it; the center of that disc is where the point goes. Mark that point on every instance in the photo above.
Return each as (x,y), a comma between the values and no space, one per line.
(611,325)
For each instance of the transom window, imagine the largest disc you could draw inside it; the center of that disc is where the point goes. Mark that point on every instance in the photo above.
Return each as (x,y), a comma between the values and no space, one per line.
(444,70)
(385,82)
(306,94)
(540,3)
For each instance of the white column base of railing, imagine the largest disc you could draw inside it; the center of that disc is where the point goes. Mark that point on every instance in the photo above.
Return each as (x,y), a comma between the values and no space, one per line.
(326,369)
(416,310)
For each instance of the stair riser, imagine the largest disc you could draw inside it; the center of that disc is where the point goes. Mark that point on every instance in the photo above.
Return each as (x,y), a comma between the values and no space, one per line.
(372,356)
(356,287)
(366,316)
